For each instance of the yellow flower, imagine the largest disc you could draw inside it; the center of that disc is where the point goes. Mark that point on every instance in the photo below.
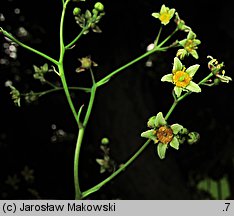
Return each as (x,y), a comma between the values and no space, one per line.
(182,78)
(164,15)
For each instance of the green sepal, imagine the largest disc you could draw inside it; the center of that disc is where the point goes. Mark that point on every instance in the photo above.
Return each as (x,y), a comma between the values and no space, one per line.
(159,120)
(175,143)
(193,87)
(151,122)
(167,78)
(178,91)
(149,134)
(177,66)
(161,149)
(176,128)
(192,70)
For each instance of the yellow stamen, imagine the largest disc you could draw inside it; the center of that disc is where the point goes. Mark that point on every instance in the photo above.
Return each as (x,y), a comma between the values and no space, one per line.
(181,79)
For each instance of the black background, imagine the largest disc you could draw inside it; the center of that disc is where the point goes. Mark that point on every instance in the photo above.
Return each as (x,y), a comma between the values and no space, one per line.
(122,106)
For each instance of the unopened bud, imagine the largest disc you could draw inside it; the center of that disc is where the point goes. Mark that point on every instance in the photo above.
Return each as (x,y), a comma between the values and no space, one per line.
(99,6)
(76,11)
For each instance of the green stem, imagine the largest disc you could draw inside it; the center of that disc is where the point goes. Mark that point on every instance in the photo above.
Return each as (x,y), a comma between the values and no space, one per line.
(40,94)
(122,168)
(156,48)
(168,38)
(78,194)
(105,79)
(60,64)
(76,39)
(177,100)
(5,33)
(171,109)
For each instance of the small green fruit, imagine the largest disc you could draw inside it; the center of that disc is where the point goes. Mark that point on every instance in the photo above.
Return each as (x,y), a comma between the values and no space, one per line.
(99,6)
(76,11)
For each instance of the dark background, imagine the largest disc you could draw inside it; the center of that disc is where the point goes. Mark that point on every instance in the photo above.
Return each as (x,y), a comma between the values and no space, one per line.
(28,136)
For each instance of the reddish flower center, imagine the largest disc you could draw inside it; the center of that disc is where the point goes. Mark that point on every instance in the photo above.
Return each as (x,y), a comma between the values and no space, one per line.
(164,134)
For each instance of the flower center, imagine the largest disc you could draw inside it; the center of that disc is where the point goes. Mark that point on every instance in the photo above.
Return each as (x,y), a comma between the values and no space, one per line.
(189,46)
(164,134)
(181,79)
(164,17)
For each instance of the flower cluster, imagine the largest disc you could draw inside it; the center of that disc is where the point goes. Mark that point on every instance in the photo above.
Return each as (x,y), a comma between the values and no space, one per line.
(163,134)
(182,78)
(217,69)
(89,20)
(189,46)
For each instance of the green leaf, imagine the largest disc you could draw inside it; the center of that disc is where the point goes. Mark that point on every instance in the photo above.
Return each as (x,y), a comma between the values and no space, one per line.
(159,120)
(175,143)
(176,128)
(161,149)
(149,134)
(167,78)
(178,91)
(193,87)
(177,66)
(192,70)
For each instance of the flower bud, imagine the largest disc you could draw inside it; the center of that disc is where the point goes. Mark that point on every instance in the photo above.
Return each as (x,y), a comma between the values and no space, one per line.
(216,81)
(99,6)
(105,141)
(76,11)
(193,137)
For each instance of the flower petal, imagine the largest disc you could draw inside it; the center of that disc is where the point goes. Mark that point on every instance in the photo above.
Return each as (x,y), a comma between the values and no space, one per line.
(183,42)
(193,87)
(164,9)
(175,143)
(161,149)
(194,54)
(176,128)
(155,15)
(149,134)
(178,91)
(192,70)
(171,12)
(177,66)
(159,120)
(167,78)
(196,42)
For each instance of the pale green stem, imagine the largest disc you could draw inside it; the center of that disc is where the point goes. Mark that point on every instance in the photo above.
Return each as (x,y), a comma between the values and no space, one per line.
(105,79)
(76,39)
(177,100)
(5,33)
(78,194)
(156,48)
(122,168)
(60,65)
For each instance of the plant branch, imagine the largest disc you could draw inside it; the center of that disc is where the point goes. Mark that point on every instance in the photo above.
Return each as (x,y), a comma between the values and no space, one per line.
(122,168)
(76,39)
(12,38)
